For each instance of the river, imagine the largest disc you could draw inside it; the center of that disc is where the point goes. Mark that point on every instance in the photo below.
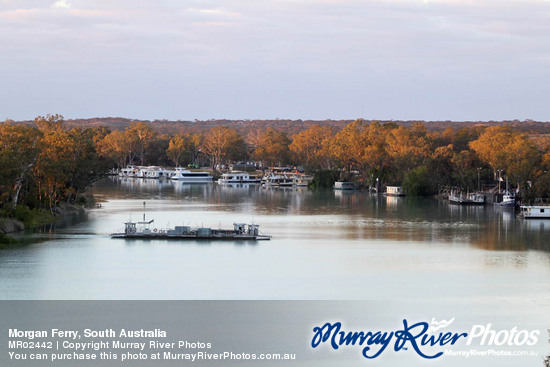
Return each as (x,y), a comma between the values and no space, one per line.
(414,257)
(325,245)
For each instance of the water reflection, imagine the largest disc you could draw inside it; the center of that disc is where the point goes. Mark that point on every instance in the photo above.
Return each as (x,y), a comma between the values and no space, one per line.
(325,245)
(349,214)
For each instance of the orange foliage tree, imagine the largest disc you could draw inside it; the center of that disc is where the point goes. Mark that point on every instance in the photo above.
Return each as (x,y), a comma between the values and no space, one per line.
(222,144)
(183,146)
(312,147)
(508,150)
(273,148)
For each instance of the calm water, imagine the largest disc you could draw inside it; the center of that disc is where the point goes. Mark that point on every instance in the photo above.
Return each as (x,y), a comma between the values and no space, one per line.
(326,245)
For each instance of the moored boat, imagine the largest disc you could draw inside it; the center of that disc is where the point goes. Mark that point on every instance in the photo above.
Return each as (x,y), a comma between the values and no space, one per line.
(278,180)
(471,198)
(394,191)
(342,185)
(535,211)
(301,180)
(238,177)
(508,197)
(186,176)
(145,172)
(129,171)
(158,173)
(508,200)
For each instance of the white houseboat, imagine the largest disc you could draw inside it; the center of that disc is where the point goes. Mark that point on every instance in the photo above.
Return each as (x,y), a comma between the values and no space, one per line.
(394,191)
(155,172)
(342,185)
(278,180)
(238,177)
(286,180)
(129,171)
(535,211)
(301,180)
(186,176)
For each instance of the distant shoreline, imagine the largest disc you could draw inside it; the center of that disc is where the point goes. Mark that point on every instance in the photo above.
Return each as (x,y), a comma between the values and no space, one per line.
(290,126)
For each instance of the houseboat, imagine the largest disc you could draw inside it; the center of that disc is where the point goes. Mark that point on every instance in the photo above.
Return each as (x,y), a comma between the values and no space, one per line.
(301,180)
(129,171)
(154,172)
(342,185)
(286,180)
(394,191)
(278,180)
(238,177)
(186,176)
(535,211)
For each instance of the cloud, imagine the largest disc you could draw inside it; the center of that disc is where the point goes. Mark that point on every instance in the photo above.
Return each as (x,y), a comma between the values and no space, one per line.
(18,14)
(64,4)
(215,12)
(216,24)
(91,13)
(329,44)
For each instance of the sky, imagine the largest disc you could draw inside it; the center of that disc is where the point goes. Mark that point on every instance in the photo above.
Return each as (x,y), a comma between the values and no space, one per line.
(266,59)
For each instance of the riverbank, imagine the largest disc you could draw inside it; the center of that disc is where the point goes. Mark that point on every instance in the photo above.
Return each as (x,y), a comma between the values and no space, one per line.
(23,218)
(19,219)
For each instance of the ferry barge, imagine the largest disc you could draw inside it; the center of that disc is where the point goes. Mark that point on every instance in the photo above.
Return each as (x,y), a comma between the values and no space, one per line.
(142,230)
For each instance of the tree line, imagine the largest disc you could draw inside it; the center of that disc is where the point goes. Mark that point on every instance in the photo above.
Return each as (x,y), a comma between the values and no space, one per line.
(48,162)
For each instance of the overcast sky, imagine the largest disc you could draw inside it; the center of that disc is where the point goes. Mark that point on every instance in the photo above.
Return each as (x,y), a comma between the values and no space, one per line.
(298,59)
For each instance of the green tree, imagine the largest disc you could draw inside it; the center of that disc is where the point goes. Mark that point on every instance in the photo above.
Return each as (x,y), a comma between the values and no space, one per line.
(18,154)
(67,163)
(419,182)
(55,162)
(86,165)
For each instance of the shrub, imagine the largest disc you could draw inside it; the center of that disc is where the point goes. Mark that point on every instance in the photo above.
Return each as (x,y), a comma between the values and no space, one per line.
(324,179)
(418,182)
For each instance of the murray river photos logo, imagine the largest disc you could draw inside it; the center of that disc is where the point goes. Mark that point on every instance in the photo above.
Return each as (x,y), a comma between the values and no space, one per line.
(426,339)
